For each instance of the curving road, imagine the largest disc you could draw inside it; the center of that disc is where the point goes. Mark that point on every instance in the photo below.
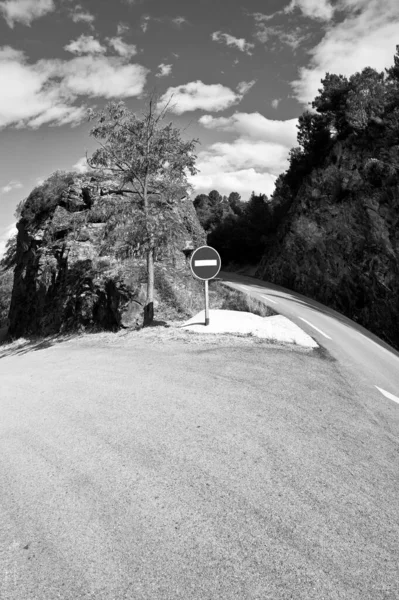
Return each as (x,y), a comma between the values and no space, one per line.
(371,361)
(161,469)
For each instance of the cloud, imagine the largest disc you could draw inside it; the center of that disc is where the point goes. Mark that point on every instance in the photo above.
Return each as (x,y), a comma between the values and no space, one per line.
(81,165)
(243,181)
(44,92)
(25,11)
(321,10)
(366,37)
(12,185)
(179,21)
(244,86)
(121,47)
(255,126)
(78,15)
(122,28)
(230,40)
(250,162)
(165,70)
(276,102)
(277,34)
(197,95)
(85,44)
(144,22)
(108,77)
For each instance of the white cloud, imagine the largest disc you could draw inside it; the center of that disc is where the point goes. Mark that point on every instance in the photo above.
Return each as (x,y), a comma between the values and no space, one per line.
(44,92)
(81,165)
(122,28)
(144,22)
(245,154)
(256,127)
(85,44)
(25,11)
(179,20)
(7,232)
(230,40)
(252,161)
(197,95)
(79,15)
(314,9)
(11,185)
(275,102)
(244,86)
(164,70)
(243,181)
(366,37)
(121,47)
(319,10)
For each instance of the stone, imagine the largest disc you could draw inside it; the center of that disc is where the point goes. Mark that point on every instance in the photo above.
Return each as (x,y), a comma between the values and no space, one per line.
(63,281)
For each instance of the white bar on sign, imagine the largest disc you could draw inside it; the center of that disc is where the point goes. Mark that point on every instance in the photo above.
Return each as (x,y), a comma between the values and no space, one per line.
(205,263)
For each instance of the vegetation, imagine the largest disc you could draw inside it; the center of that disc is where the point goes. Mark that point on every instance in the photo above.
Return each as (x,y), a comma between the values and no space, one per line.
(6,282)
(153,160)
(363,111)
(44,198)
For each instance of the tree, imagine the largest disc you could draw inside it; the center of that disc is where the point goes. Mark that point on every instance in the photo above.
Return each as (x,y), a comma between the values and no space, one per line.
(154,161)
(237,206)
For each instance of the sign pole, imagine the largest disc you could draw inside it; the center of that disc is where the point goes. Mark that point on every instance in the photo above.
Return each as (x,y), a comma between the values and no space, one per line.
(206,303)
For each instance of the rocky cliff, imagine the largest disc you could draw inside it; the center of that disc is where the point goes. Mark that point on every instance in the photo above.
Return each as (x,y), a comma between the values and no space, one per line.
(78,265)
(339,241)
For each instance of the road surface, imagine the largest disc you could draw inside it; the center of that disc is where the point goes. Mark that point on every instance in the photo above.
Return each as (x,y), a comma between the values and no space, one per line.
(373,363)
(147,470)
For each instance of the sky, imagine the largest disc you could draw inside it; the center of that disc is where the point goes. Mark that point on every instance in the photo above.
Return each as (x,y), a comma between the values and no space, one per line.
(241,73)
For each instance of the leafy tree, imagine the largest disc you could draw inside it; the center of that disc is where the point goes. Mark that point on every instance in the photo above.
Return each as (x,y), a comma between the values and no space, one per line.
(332,101)
(313,135)
(236,204)
(214,198)
(393,72)
(365,102)
(153,160)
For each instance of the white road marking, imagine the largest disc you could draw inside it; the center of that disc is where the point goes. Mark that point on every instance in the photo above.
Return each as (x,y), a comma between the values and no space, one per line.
(387,394)
(205,263)
(325,335)
(270,300)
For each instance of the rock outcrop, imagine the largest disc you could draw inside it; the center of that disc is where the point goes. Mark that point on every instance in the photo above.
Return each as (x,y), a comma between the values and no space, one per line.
(339,240)
(73,271)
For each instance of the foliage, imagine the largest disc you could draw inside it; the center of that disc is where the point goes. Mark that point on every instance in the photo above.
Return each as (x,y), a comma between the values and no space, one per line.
(45,197)
(146,160)
(6,284)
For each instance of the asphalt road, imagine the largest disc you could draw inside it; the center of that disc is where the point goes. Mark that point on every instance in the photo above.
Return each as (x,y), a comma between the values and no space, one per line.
(373,364)
(195,472)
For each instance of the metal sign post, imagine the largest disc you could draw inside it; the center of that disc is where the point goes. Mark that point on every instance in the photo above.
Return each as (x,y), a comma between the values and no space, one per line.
(206,303)
(205,264)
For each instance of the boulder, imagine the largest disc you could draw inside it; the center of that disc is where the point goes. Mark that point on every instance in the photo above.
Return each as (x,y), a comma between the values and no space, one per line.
(66,280)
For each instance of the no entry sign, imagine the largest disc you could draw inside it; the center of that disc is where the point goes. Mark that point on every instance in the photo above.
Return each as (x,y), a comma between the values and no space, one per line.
(205,263)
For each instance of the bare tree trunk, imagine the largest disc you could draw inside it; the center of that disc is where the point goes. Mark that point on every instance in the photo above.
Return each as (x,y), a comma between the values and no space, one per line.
(149,307)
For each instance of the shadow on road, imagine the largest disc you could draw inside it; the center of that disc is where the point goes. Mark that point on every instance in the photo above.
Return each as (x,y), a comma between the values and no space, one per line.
(23,345)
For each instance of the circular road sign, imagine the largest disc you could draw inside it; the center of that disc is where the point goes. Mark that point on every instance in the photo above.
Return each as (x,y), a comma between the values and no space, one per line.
(205,262)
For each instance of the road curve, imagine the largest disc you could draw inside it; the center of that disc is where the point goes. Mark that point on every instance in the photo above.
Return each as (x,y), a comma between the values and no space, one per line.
(370,360)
